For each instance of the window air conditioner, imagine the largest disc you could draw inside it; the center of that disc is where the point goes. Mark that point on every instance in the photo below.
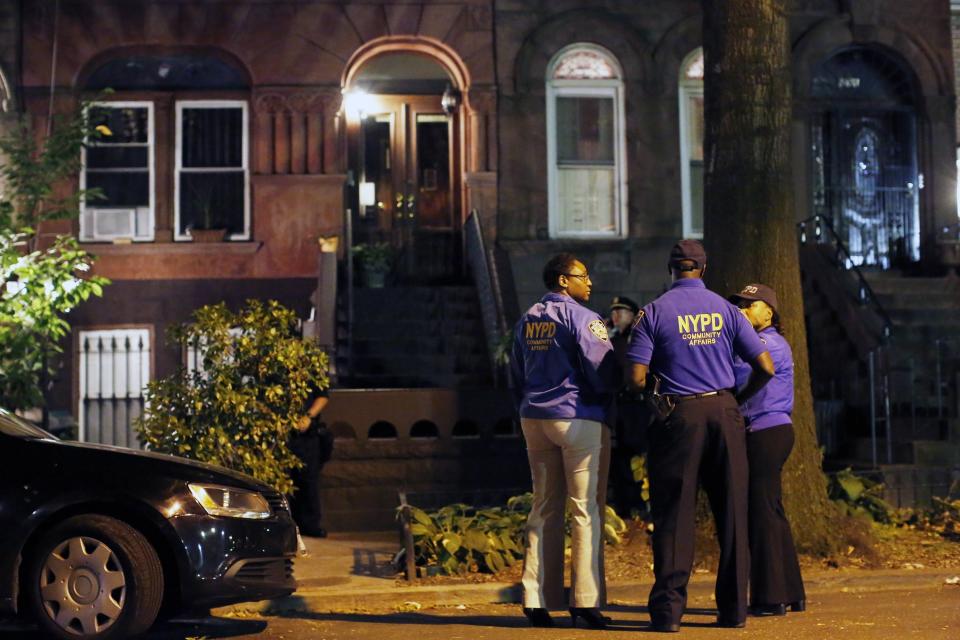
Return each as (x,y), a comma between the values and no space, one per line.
(114,223)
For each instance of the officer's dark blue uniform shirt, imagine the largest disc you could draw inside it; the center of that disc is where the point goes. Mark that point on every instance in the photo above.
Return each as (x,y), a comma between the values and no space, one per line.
(688,337)
(773,404)
(562,362)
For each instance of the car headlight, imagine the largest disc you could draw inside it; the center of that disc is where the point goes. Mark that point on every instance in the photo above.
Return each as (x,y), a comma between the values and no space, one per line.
(230,502)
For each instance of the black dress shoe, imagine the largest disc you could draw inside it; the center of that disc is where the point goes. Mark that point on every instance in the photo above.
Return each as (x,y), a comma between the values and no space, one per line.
(799,605)
(665,627)
(538,617)
(731,623)
(760,610)
(591,616)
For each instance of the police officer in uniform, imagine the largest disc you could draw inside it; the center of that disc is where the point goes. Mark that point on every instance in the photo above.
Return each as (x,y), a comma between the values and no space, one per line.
(564,375)
(775,581)
(687,339)
(632,416)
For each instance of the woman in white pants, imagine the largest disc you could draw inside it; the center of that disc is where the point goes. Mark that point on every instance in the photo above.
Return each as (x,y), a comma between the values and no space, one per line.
(564,375)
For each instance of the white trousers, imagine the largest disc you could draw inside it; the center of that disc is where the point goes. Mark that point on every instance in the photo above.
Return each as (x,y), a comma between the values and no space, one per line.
(568,459)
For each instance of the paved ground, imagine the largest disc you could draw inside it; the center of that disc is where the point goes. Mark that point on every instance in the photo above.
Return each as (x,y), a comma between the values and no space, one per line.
(347,591)
(931,614)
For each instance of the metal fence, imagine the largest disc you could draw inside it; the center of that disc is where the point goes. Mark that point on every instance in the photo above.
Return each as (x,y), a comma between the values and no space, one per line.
(879,226)
(114,368)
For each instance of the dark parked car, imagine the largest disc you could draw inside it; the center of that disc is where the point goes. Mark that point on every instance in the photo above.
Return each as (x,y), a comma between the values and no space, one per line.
(95,541)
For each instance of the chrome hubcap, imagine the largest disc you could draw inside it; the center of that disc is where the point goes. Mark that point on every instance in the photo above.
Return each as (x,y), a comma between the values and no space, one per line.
(82,586)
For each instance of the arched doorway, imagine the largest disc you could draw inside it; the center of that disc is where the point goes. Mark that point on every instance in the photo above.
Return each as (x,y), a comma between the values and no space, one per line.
(864,155)
(402,109)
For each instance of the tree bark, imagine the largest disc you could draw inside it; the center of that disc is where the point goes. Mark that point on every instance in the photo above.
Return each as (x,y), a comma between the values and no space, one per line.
(749,219)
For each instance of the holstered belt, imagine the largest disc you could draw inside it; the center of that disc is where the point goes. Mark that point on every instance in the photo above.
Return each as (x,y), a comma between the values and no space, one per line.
(694,396)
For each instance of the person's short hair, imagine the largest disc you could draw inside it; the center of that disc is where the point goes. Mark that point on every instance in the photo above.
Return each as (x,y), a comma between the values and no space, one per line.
(558,265)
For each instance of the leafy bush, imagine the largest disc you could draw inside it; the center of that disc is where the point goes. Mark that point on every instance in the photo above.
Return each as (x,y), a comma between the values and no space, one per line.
(860,496)
(462,539)
(39,282)
(375,256)
(238,406)
(36,289)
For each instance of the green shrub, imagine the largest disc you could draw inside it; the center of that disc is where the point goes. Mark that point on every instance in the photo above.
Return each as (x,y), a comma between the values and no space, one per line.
(237,408)
(460,539)
(860,496)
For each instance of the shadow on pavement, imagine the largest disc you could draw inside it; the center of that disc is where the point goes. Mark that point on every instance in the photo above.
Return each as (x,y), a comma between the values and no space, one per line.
(176,629)
(474,620)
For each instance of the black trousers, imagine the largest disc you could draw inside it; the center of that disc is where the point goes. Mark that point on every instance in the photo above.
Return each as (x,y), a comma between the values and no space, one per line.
(703,441)
(774,570)
(314,448)
(633,421)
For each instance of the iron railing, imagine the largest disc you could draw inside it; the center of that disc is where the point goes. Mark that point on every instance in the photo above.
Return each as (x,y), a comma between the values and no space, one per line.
(879,225)
(823,233)
(114,373)
(482,265)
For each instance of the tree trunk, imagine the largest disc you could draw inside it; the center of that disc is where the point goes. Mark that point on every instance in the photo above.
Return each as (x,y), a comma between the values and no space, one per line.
(749,220)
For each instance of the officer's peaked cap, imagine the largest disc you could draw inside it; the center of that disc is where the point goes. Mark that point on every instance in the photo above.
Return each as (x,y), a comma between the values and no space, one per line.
(623,302)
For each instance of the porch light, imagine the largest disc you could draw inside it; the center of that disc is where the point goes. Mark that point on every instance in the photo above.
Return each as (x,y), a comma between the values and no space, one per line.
(357,102)
(368,194)
(450,100)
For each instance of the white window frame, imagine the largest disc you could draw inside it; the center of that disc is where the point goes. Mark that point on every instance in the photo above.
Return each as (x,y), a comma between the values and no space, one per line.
(587,88)
(244,157)
(151,168)
(146,360)
(687,89)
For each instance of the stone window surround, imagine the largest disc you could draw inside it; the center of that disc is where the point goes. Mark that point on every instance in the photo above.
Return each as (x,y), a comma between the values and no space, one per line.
(595,88)
(164,157)
(84,236)
(689,87)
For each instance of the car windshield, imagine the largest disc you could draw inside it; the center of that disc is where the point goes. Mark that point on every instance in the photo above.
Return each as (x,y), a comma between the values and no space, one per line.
(11,425)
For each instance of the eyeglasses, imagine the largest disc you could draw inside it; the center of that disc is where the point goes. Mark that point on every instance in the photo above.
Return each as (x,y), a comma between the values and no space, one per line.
(582,276)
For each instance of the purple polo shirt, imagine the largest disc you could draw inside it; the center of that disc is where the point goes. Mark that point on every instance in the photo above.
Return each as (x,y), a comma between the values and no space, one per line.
(773,404)
(688,337)
(562,362)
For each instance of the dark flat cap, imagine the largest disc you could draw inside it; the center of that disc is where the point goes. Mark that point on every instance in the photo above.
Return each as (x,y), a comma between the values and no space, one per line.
(688,250)
(756,291)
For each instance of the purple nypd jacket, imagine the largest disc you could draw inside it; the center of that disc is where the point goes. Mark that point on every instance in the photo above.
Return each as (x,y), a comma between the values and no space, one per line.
(563,364)
(772,406)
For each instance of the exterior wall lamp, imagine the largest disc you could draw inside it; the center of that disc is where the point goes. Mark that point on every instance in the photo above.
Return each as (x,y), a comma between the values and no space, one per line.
(450,100)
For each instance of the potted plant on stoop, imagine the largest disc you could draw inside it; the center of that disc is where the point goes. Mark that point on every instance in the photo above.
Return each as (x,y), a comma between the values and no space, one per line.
(375,260)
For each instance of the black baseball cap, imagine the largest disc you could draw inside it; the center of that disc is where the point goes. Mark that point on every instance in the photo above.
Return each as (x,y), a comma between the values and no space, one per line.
(623,302)
(756,291)
(688,250)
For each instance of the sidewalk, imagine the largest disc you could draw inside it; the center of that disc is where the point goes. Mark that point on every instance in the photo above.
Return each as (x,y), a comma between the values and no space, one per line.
(352,572)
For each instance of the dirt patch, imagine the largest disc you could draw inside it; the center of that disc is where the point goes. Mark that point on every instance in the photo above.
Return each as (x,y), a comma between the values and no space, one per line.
(868,546)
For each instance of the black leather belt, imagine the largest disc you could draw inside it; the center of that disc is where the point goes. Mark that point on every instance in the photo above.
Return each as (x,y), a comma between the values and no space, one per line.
(694,396)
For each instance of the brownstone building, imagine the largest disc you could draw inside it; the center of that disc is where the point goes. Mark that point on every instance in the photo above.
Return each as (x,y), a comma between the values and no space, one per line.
(564,125)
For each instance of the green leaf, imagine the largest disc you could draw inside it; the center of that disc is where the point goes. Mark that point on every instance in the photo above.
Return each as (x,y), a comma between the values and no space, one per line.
(495,561)
(451,542)
(476,540)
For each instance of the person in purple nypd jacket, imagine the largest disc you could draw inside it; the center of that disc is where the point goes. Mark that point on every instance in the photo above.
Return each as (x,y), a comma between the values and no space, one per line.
(564,376)
(775,581)
(687,339)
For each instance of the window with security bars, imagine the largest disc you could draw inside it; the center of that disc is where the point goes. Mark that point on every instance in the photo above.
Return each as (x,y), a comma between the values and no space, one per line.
(586,144)
(212,189)
(114,369)
(119,167)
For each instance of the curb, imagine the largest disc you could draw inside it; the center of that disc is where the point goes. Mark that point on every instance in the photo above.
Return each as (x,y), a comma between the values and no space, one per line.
(411,598)
(387,599)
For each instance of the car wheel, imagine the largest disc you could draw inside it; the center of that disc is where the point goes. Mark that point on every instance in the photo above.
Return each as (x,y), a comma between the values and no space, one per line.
(93,576)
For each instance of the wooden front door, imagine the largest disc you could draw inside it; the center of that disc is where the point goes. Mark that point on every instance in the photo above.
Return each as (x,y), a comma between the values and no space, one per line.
(404,155)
